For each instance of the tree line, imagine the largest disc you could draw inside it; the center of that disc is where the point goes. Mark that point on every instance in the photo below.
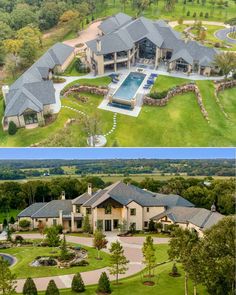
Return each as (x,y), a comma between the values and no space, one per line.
(202,193)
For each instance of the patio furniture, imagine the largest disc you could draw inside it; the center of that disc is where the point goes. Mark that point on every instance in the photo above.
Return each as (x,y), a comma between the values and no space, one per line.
(147,86)
(154,75)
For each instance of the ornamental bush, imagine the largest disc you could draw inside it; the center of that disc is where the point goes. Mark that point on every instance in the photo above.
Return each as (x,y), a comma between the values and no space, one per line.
(12,129)
(159,95)
(52,289)
(24,223)
(104,284)
(77,283)
(29,287)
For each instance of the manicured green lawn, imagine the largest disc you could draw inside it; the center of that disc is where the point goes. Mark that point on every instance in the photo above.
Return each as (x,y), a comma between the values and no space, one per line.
(71,70)
(26,255)
(211,30)
(154,235)
(164,285)
(11,213)
(179,123)
(157,10)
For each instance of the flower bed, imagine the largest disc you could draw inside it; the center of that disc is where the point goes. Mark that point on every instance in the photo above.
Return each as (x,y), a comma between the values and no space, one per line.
(99,90)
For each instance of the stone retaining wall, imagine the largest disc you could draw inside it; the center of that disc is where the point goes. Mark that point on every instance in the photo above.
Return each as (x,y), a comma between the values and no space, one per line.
(99,90)
(176,91)
(225,84)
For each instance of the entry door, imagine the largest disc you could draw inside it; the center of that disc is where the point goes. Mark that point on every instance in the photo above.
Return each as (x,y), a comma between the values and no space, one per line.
(107,225)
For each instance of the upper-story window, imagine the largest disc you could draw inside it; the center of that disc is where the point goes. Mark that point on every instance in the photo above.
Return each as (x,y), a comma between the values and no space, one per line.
(77,208)
(147,209)
(108,209)
(88,210)
(133,211)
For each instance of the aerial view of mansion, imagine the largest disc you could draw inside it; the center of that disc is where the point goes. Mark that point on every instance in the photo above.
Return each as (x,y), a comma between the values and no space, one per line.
(118,204)
(32,96)
(125,41)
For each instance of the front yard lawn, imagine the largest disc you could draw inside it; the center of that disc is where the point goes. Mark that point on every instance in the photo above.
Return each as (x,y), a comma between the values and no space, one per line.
(26,255)
(179,123)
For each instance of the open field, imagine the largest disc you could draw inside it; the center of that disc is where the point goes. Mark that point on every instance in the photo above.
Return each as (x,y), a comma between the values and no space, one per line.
(115,177)
(11,213)
(180,123)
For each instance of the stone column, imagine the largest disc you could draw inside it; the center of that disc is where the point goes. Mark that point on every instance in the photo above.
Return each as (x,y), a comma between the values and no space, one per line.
(72,222)
(128,63)
(115,61)
(156,57)
(60,217)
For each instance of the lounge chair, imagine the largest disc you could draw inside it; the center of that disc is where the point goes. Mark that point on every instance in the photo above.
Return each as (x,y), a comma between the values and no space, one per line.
(154,75)
(147,86)
(115,81)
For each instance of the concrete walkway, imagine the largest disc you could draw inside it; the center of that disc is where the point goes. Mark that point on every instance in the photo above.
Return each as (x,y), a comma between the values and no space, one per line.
(132,249)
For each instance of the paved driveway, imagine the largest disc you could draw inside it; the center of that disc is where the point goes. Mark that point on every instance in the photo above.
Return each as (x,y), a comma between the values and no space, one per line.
(223,35)
(132,249)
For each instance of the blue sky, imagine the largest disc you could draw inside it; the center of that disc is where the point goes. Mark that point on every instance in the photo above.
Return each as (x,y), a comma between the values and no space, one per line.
(112,153)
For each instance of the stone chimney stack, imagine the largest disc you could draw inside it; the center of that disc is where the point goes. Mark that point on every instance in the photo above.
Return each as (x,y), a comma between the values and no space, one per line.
(63,195)
(99,45)
(90,191)
(5,91)
(213,208)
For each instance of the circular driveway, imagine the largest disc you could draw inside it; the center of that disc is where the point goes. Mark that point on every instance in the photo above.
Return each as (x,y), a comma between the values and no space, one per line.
(223,35)
(132,249)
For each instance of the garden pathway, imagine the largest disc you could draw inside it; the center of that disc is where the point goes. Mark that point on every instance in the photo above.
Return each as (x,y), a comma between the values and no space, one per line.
(132,249)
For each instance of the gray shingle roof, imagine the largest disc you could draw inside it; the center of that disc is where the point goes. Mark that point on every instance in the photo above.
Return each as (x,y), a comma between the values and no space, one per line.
(51,209)
(124,194)
(114,22)
(122,36)
(200,217)
(29,211)
(81,199)
(30,90)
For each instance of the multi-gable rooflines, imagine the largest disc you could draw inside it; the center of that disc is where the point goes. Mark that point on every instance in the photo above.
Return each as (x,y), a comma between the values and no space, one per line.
(37,73)
(122,37)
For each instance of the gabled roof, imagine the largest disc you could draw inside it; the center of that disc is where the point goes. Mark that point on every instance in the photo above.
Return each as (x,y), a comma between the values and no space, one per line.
(119,36)
(173,200)
(80,200)
(200,217)
(30,90)
(51,209)
(112,23)
(32,209)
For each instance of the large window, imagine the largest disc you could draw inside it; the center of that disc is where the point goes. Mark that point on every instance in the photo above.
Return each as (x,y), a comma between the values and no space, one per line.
(133,211)
(147,49)
(88,210)
(79,223)
(30,118)
(108,209)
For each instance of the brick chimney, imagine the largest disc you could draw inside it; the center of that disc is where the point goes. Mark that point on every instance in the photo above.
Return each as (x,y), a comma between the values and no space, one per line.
(90,191)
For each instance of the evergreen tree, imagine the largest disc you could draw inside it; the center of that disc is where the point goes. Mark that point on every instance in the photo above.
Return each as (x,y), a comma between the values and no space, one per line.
(64,251)
(99,242)
(104,284)
(86,224)
(29,287)
(52,289)
(7,279)
(77,283)
(53,237)
(149,254)
(12,129)
(118,260)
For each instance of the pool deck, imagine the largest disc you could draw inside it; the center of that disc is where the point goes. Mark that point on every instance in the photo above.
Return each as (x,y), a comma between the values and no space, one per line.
(114,87)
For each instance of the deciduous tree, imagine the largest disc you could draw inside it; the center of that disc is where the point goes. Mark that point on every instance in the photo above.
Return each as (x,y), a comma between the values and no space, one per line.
(99,242)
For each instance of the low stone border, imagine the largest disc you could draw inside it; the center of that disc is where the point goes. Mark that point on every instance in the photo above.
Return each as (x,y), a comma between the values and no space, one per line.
(176,91)
(99,90)
(220,86)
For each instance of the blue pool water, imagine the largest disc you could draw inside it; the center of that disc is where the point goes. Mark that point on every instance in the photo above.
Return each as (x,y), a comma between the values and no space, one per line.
(8,258)
(129,87)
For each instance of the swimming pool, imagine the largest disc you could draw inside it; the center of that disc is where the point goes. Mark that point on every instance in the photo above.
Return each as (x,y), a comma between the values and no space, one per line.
(129,87)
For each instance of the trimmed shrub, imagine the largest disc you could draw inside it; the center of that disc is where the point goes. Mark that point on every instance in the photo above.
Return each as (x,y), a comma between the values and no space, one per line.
(151,226)
(52,289)
(104,284)
(206,15)
(24,223)
(159,95)
(188,13)
(12,220)
(19,239)
(194,14)
(77,283)
(12,129)
(30,287)
(201,14)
